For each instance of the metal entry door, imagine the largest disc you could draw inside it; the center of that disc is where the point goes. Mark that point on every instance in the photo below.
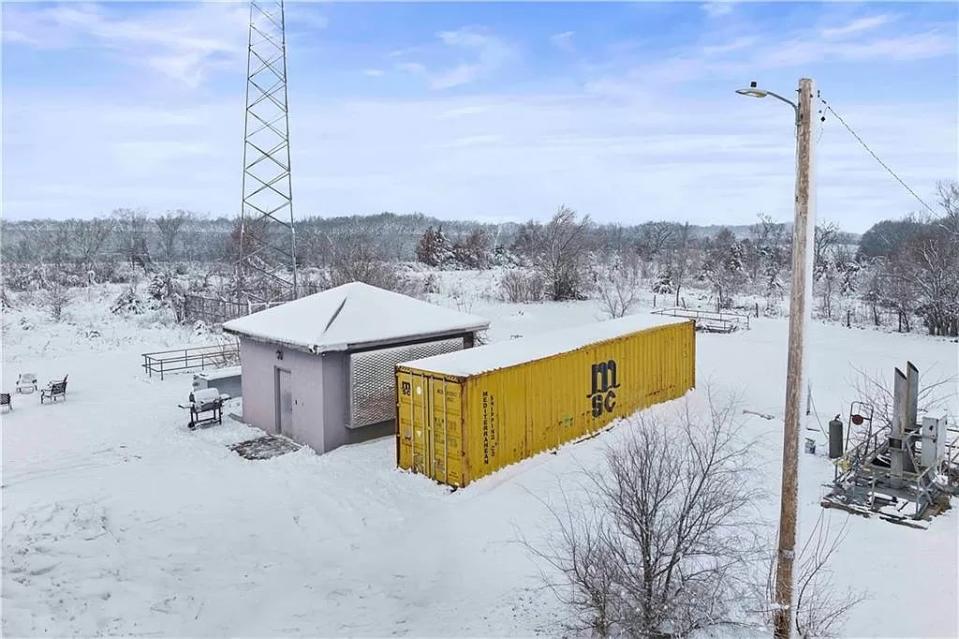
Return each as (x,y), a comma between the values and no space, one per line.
(284,401)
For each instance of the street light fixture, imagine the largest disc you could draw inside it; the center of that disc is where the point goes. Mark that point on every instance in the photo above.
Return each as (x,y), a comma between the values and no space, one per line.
(799,305)
(752,91)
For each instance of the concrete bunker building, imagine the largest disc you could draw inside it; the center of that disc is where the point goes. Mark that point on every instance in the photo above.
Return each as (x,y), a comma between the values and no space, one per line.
(321,369)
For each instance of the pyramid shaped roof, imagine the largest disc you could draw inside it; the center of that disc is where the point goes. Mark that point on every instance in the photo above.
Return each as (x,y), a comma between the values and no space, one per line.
(351,316)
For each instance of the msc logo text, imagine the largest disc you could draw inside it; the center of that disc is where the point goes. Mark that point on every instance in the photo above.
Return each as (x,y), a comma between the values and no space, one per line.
(604,383)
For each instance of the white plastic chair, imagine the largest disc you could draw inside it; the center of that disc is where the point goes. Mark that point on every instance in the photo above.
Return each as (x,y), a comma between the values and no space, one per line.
(26,383)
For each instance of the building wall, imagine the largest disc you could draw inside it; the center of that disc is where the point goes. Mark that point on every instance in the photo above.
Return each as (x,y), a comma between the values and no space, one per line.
(336,406)
(321,395)
(259,362)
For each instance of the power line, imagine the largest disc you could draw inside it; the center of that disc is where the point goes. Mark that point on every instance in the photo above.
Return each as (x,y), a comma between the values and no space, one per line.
(873,154)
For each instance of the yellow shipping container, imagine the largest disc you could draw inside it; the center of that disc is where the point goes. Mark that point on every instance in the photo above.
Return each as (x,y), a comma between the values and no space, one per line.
(463,415)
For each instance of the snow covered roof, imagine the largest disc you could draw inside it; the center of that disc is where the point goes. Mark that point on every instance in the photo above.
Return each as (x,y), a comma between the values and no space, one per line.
(352,315)
(482,359)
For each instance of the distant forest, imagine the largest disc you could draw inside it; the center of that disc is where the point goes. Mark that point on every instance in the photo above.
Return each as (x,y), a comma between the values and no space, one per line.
(186,236)
(901,272)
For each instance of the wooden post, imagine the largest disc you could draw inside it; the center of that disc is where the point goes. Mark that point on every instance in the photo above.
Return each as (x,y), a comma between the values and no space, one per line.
(799,305)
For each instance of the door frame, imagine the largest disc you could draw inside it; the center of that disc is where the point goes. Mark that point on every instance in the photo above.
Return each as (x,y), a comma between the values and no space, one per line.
(277,406)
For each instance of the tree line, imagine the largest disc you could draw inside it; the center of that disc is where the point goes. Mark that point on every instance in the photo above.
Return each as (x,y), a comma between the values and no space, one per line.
(905,269)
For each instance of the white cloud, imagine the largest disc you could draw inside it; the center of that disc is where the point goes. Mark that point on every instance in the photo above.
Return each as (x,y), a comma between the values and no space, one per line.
(857,26)
(563,40)
(373,73)
(707,160)
(717,9)
(485,54)
(900,47)
(472,140)
(737,44)
(184,43)
(630,147)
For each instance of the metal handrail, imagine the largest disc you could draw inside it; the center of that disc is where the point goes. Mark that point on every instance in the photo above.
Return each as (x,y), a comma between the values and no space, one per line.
(188,358)
(726,318)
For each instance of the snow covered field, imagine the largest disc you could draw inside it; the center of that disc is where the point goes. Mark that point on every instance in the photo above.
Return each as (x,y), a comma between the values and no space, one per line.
(117,520)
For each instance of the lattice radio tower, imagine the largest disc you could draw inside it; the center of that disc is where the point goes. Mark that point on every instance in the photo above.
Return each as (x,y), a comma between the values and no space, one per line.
(267,265)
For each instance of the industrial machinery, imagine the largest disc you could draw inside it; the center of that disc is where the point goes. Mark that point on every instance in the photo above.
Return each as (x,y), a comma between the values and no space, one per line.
(902,468)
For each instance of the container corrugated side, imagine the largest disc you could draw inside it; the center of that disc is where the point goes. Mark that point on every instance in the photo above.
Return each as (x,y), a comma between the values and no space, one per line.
(457,429)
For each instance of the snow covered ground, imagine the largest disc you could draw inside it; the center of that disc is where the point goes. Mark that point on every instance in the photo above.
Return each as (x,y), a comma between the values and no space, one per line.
(118,520)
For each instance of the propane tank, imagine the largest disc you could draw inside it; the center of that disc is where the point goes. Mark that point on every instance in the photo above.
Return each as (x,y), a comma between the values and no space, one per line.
(835,438)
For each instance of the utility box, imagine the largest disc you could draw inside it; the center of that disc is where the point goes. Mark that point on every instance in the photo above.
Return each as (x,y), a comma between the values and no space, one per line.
(933,441)
(226,380)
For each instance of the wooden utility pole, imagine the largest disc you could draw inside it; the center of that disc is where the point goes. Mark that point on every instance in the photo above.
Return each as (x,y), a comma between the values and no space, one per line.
(799,304)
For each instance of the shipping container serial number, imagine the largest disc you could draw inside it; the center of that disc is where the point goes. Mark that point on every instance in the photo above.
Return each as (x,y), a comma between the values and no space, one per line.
(489,426)
(603,393)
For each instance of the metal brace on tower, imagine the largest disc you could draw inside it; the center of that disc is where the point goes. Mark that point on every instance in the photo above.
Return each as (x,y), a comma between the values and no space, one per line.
(266,269)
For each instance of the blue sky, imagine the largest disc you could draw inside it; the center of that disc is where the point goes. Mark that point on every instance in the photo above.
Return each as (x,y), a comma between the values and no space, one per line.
(492,111)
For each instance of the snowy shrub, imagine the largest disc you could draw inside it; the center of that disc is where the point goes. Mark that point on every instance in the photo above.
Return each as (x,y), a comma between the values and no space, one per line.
(431,284)
(473,251)
(23,277)
(663,285)
(723,267)
(128,303)
(55,299)
(503,256)
(521,287)
(434,248)
(6,302)
(619,286)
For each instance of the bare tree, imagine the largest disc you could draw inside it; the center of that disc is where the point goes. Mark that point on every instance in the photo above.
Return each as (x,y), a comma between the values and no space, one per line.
(356,256)
(826,239)
(90,239)
(131,225)
(820,606)
(170,224)
(723,267)
(680,260)
(653,238)
(934,277)
(662,541)
(561,252)
(59,248)
(949,201)
(619,285)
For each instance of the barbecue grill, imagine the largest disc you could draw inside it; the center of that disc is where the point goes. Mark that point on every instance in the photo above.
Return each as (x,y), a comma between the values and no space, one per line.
(206,406)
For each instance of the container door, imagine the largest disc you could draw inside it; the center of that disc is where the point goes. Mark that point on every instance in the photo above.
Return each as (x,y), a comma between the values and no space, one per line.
(284,402)
(404,420)
(421,423)
(445,432)
(412,421)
